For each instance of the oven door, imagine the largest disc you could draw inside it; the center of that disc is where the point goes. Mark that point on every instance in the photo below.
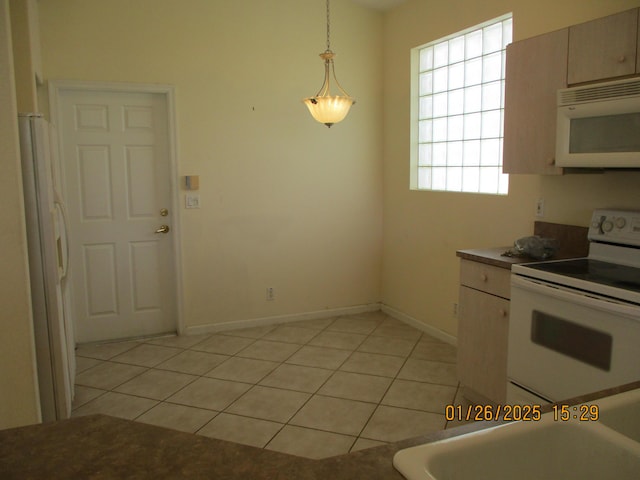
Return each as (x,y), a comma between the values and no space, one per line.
(564,342)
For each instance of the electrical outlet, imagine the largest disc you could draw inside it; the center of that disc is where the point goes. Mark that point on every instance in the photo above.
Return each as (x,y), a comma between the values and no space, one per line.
(540,208)
(271,293)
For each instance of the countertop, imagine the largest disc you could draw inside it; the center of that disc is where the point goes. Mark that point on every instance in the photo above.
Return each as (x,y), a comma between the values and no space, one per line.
(103,447)
(572,243)
(492,256)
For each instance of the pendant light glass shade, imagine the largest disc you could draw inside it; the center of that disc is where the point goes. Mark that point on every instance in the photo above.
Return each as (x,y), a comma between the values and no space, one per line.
(329,109)
(324,107)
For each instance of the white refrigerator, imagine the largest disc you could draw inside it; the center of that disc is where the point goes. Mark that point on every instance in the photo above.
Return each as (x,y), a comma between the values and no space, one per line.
(48,259)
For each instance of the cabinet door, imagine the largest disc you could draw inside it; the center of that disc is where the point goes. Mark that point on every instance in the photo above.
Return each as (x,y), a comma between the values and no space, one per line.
(603,48)
(483,323)
(536,68)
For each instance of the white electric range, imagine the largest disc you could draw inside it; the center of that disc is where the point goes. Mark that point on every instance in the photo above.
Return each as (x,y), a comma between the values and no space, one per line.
(574,325)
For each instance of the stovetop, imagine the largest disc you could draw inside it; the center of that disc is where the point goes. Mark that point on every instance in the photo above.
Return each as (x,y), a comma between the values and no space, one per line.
(612,268)
(595,271)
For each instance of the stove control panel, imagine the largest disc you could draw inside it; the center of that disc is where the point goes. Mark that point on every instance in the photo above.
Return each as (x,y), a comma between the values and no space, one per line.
(620,227)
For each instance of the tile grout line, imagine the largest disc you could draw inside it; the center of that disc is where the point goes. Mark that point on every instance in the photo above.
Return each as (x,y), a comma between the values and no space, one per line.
(366,424)
(311,394)
(285,424)
(337,369)
(224,410)
(333,371)
(112,390)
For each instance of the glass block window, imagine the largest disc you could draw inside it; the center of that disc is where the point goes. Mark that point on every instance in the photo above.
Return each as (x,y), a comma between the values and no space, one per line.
(460,111)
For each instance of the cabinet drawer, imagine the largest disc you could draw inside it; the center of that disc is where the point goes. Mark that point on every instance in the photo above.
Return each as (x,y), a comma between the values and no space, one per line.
(487,278)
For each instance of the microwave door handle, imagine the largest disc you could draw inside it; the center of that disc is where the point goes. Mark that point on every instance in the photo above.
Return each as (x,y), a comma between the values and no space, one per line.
(569,295)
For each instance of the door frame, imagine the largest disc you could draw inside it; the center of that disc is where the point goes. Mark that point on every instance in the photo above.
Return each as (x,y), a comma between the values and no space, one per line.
(56,87)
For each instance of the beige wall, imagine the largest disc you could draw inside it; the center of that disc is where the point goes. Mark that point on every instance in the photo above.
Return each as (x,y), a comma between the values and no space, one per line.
(26,52)
(422,230)
(18,390)
(285,202)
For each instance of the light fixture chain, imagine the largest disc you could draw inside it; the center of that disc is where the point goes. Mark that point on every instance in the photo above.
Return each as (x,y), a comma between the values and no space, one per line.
(328,28)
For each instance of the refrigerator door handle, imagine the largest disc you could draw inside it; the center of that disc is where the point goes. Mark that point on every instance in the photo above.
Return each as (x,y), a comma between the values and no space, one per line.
(62,241)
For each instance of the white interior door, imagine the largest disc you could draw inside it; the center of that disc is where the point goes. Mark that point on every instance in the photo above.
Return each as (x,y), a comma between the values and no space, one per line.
(117,176)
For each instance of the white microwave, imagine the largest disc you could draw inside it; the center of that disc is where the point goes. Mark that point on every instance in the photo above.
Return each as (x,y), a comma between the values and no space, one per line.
(598,125)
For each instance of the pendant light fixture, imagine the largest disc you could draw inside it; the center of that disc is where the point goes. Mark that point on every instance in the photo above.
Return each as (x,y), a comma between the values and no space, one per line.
(324,107)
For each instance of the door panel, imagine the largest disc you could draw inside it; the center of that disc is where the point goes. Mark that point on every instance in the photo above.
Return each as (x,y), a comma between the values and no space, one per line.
(117,175)
(91,118)
(94,171)
(144,261)
(141,185)
(101,279)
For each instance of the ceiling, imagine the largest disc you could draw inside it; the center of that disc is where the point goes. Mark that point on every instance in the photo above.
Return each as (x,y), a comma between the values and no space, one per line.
(380,4)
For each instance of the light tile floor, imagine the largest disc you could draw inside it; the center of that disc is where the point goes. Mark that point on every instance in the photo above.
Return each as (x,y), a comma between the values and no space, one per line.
(314,388)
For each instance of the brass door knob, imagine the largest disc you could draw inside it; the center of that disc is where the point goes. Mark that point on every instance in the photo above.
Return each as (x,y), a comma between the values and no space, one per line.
(163,229)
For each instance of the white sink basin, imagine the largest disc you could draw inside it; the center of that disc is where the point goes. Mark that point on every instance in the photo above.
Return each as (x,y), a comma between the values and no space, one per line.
(622,413)
(546,449)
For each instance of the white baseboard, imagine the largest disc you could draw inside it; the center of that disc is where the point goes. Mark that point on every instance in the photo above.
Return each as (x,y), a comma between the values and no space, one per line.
(334,312)
(278,319)
(434,332)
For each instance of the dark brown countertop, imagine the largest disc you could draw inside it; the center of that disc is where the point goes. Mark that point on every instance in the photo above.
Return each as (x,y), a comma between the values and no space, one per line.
(572,243)
(492,256)
(495,256)
(102,447)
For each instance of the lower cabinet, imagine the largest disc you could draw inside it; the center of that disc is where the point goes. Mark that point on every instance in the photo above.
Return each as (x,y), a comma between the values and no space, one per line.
(483,327)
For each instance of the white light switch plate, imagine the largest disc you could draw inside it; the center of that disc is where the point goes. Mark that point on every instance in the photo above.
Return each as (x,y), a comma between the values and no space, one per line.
(192,200)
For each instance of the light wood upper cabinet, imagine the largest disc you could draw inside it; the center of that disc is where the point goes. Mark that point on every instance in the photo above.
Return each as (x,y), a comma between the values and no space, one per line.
(603,48)
(536,68)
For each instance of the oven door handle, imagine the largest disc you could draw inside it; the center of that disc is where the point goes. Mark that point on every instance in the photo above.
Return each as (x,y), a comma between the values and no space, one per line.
(577,297)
